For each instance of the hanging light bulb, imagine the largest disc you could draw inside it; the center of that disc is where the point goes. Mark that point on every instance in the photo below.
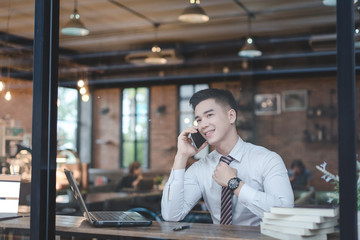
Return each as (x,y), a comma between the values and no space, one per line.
(8,96)
(82,90)
(85,97)
(2,85)
(80,83)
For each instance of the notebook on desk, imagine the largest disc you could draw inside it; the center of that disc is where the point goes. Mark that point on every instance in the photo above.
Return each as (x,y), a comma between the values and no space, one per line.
(105,218)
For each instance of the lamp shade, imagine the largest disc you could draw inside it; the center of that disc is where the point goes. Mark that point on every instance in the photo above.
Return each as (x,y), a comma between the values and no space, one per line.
(194,14)
(249,50)
(155,57)
(332,2)
(75,27)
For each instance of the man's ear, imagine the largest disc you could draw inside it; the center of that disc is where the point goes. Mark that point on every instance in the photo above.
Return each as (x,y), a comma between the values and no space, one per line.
(232,116)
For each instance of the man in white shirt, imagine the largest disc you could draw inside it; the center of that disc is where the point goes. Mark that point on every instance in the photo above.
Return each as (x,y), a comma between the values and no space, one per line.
(257,178)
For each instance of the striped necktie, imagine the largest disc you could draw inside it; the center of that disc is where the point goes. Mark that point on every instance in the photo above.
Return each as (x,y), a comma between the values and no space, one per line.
(226,195)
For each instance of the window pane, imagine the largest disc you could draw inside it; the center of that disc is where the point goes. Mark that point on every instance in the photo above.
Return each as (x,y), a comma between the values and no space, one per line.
(199,87)
(67,102)
(128,153)
(135,126)
(141,152)
(185,106)
(142,101)
(67,118)
(142,128)
(128,104)
(128,128)
(66,134)
(186,91)
(186,120)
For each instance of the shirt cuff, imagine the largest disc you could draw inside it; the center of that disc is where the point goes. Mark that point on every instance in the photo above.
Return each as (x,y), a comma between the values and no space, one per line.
(246,195)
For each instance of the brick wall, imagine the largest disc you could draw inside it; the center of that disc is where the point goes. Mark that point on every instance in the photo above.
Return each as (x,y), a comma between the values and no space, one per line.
(19,107)
(163,127)
(284,133)
(106,128)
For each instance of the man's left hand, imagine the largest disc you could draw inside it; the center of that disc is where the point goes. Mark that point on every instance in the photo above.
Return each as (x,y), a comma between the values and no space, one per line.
(223,173)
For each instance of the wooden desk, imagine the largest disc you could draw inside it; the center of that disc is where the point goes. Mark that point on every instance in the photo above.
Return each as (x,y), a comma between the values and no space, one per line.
(67,226)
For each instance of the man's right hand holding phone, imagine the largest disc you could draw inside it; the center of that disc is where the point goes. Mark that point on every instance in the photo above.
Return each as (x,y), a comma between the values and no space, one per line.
(185,149)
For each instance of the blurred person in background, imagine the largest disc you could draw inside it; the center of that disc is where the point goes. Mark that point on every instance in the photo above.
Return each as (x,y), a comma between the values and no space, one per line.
(300,176)
(132,179)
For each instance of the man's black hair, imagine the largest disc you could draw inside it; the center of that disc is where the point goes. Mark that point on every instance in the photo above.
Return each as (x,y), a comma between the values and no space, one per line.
(220,95)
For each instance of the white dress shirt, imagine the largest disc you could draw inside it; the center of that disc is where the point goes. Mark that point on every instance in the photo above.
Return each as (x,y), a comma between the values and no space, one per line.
(265,178)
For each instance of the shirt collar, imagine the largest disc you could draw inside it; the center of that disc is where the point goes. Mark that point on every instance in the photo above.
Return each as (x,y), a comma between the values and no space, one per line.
(237,152)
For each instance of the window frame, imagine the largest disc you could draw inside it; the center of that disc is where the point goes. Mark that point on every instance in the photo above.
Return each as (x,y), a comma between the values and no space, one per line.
(146,163)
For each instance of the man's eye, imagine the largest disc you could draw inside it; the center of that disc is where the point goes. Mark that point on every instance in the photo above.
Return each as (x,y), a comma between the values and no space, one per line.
(209,115)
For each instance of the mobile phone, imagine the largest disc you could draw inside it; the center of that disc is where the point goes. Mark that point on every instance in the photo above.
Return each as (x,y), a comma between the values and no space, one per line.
(197,139)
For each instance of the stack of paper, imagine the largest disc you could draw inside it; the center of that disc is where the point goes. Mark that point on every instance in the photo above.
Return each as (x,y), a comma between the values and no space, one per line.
(300,222)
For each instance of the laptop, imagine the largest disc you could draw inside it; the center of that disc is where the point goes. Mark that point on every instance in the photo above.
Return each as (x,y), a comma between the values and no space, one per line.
(9,193)
(145,185)
(105,218)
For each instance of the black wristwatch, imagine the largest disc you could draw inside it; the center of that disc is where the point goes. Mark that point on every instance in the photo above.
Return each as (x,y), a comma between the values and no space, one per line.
(234,183)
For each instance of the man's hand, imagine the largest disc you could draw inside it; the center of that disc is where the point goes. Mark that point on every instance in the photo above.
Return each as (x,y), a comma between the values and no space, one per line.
(185,149)
(223,173)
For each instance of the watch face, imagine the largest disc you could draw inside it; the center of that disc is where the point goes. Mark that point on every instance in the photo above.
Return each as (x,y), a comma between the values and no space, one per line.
(233,183)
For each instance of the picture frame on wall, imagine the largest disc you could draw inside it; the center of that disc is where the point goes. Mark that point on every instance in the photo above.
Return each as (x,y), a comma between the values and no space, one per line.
(294,100)
(267,104)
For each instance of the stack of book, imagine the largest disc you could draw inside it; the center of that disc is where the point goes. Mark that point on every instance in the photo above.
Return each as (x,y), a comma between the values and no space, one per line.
(306,222)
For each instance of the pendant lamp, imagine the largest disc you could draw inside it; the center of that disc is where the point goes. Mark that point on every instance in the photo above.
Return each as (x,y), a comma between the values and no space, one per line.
(194,13)
(75,27)
(249,50)
(155,56)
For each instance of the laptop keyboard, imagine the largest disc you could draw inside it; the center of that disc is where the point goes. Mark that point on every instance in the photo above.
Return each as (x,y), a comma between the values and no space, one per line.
(116,216)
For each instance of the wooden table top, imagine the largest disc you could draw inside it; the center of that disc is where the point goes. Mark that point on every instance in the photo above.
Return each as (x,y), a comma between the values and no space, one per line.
(78,225)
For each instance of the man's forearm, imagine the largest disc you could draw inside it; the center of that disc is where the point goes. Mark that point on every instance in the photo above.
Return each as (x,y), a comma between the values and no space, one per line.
(180,161)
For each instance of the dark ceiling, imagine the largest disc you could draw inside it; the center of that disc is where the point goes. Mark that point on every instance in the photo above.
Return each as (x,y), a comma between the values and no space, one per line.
(291,34)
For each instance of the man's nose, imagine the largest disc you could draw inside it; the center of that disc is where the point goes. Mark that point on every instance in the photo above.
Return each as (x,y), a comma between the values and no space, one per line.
(203,124)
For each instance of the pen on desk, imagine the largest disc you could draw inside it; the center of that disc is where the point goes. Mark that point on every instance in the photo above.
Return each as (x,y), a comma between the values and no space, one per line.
(181,228)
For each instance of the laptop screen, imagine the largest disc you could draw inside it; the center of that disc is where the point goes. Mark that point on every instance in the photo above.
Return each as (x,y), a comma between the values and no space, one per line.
(77,193)
(9,193)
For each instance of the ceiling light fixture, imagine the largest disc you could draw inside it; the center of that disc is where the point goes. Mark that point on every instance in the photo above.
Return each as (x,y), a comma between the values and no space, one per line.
(249,50)
(194,13)
(8,96)
(332,2)
(155,56)
(2,84)
(75,27)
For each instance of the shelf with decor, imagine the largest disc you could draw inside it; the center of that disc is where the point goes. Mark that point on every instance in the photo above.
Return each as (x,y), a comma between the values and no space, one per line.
(9,138)
(245,122)
(322,119)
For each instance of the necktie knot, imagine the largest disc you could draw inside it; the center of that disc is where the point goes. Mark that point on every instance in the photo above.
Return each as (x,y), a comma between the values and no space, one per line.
(226,159)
